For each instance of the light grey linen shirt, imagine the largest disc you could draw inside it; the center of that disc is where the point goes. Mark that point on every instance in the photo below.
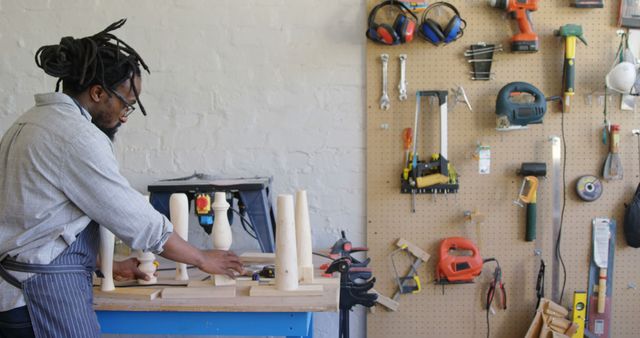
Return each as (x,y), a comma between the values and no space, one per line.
(58,172)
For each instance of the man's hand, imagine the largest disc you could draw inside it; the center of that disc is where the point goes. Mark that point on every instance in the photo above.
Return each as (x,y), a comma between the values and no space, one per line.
(210,261)
(220,262)
(128,270)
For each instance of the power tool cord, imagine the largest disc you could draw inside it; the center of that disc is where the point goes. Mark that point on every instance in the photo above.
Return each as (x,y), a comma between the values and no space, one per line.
(491,300)
(246,225)
(488,324)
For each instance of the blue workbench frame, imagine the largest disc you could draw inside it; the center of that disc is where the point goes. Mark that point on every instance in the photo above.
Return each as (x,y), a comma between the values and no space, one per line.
(288,324)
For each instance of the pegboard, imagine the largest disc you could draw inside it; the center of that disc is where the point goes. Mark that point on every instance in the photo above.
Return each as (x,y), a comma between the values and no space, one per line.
(459,312)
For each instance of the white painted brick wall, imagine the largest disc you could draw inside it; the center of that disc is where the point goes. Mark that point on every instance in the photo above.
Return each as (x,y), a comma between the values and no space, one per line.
(238,88)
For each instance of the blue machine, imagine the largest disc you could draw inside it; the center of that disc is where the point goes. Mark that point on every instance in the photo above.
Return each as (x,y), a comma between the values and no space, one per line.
(515,110)
(252,193)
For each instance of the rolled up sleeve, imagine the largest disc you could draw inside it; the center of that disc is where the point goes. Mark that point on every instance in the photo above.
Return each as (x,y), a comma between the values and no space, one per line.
(92,181)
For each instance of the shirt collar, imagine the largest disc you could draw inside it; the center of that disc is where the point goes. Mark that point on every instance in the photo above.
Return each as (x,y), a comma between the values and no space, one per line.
(60,98)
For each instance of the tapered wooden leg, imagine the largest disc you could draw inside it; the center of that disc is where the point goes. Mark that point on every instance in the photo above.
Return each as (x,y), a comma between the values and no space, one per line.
(286,252)
(107,241)
(303,238)
(179,210)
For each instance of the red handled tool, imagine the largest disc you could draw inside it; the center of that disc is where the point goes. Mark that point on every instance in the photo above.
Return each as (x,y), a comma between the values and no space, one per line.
(407,136)
(496,283)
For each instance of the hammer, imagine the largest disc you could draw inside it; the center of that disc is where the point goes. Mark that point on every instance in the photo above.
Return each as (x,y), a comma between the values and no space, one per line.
(537,169)
(570,32)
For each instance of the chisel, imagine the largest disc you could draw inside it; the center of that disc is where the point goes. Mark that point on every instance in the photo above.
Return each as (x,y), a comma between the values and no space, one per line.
(612,169)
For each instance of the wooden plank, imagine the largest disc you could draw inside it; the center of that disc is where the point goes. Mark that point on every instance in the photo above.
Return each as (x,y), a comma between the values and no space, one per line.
(272,291)
(242,302)
(414,249)
(128,293)
(387,302)
(161,281)
(199,292)
(240,281)
(223,280)
(250,282)
(201,283)
(325,280)
(258,257)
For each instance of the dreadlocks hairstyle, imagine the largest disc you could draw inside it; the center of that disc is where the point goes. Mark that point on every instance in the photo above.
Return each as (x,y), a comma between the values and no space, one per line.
(101,59)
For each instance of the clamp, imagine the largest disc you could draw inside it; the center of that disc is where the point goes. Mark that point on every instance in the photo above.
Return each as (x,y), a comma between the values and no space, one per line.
(343,248)
(352,292)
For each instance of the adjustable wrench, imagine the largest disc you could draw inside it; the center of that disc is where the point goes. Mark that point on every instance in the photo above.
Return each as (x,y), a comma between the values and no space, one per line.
(384,100)
(402,86)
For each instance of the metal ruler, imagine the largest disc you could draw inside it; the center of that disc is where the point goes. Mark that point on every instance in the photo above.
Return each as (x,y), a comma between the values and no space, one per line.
(556,156)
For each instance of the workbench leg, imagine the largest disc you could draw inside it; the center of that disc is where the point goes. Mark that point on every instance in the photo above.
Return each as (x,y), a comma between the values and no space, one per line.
(310,332)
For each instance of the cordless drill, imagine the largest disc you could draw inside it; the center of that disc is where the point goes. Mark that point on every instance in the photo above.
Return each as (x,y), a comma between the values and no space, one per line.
(527,39)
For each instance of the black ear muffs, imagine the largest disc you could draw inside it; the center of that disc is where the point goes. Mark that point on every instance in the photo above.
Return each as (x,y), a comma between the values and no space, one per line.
(402,30)
(432,31)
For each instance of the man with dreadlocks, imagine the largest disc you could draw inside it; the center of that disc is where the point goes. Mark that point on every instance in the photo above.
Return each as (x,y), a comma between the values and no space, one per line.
(60,179)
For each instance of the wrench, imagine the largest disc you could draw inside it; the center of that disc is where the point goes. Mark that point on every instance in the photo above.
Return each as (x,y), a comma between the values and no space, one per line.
(402,86)
(384,100)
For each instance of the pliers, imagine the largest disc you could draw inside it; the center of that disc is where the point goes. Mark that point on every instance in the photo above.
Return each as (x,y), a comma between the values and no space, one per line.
(497,282)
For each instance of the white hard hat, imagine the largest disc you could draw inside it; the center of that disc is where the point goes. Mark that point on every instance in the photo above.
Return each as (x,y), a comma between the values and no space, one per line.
(621,77)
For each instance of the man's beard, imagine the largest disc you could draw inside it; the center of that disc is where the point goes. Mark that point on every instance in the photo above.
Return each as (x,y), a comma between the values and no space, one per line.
(110,132)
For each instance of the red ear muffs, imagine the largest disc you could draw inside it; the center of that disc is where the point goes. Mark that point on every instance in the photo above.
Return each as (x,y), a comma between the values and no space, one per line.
(403,28)
(387,35)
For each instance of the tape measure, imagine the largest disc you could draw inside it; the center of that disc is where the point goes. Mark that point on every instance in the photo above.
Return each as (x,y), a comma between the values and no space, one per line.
(589,188)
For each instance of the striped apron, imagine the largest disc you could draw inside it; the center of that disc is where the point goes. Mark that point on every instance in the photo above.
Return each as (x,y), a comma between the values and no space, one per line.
(59,296)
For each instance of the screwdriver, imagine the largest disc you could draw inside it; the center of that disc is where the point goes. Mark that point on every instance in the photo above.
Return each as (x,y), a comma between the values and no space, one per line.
(407,135)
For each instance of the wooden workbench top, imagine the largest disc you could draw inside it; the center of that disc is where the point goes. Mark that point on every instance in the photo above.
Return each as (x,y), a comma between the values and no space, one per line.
(242,302)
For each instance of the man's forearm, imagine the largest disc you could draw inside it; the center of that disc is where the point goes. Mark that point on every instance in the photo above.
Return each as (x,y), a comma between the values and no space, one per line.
(178,250)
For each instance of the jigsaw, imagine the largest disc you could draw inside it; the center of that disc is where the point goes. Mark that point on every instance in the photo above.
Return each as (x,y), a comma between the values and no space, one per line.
(460,261)
(518,105)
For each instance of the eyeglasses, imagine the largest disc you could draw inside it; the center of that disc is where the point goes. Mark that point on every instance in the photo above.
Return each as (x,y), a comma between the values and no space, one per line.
(128,107)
